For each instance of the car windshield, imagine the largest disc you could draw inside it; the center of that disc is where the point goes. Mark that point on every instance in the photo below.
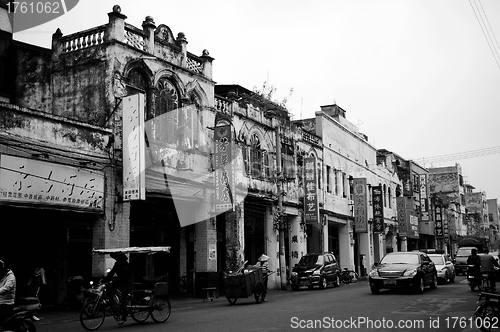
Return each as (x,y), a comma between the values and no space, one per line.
(438,260)
(311,260)
(463,252)
(400,259)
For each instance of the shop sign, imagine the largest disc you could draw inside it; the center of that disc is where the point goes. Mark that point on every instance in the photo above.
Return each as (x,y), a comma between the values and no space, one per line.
(224,178)
(413,229)
(401,214)
(311,208)
(378,209)
(39,182)
(439,224)
(133,148)
(360,205)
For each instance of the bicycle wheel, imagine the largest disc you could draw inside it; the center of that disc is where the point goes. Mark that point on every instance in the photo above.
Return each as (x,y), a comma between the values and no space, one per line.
(161,309)
(485,317)
(92,315)
(354,276)
(139,309)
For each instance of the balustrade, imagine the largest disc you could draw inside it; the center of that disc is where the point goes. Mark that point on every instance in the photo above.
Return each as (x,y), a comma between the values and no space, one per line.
(83,39)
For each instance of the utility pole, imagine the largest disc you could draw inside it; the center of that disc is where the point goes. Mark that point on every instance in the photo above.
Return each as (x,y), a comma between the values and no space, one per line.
(281,222)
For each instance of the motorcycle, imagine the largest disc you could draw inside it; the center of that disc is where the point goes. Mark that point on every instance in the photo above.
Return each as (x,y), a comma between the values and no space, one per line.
(23,316)
(487,313)
(77,292)
(473,277)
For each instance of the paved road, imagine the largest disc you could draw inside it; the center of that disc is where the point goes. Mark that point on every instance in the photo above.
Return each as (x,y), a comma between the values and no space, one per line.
(349,307)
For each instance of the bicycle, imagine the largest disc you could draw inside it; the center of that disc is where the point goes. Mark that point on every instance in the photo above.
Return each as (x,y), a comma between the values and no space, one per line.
(348,276)
(487,313)
(140,305)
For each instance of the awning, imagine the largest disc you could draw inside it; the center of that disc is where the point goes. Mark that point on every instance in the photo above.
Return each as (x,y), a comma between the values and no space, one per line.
(133,250)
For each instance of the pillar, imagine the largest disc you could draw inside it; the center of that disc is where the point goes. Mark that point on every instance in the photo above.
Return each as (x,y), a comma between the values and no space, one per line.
(148,26)
(235,237)
(115,30)
(346,249)
(182,42)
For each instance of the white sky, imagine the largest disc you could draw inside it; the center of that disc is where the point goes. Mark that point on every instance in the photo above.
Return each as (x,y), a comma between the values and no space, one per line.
(417,76)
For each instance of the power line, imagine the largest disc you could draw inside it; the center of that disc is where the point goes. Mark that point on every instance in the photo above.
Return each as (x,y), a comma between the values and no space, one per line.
(460,155)
(489,25)
(485,34)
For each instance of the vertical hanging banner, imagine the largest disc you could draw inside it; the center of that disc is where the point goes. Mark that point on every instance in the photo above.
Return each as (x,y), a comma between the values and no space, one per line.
(134,187)
(378,209)
(224,179)
(401,213)
(311,207)
(439,224)
(413,231)
(360,206)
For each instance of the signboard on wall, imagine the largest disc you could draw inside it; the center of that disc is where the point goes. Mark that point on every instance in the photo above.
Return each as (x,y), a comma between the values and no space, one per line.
(401,214)
(134,187)
(413,226)
(311,207)
(224,177)
(378,209)
(25,180)
(439,224)
(360,205)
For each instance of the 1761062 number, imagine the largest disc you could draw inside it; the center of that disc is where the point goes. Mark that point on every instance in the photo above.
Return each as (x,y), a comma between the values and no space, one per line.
(40,7)
(472,322)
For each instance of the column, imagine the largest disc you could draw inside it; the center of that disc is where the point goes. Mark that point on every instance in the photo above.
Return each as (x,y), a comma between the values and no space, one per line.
(148,26)
(235,237)
(346,254)
(115,30)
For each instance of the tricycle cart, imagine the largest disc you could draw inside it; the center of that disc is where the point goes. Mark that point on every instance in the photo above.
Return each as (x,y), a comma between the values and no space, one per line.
(140,304)
(244,284)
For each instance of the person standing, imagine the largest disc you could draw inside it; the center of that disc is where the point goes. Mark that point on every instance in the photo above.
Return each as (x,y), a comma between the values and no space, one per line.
(263,264)
(7,291)
(488,264)
(124,280)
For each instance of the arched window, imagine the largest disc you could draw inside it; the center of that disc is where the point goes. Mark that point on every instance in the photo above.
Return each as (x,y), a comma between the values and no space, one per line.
(255,156)
(389,194)
(166,105)
(320,176)
(384,195)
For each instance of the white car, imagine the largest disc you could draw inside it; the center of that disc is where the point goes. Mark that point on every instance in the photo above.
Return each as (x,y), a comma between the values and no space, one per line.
(444,266)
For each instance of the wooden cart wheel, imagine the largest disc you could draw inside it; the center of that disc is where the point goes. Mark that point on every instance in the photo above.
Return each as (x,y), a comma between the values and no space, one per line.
(258,293)
(231,300)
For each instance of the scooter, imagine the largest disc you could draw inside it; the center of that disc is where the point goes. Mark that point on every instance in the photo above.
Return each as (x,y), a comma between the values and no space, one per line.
(487,313)
(23,316)
(473,277)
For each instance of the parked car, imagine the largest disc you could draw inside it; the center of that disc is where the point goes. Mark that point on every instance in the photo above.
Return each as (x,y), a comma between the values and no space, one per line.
(444,267)
(318,269)
(406,269)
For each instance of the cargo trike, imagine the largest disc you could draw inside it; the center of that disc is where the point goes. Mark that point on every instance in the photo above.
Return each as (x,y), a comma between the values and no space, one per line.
(141,303)
(243,283)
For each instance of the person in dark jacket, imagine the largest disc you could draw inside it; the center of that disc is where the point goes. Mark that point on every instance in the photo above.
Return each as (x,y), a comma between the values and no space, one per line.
(123,282)
(475,260)
(488,264)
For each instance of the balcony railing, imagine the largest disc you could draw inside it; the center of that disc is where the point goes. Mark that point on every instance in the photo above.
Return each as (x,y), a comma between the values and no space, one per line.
(83,39)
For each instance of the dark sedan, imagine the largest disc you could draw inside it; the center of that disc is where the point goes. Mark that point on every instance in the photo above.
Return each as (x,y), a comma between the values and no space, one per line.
(413,270)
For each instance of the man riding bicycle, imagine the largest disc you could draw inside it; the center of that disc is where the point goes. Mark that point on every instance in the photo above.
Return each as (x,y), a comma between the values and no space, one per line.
(124,281)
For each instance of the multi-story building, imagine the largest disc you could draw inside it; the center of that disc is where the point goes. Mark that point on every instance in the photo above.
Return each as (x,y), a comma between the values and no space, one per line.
(494,223)
(447,189)
(349,173)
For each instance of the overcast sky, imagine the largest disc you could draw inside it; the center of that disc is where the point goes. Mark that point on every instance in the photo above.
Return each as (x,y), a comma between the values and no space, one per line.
(417,76)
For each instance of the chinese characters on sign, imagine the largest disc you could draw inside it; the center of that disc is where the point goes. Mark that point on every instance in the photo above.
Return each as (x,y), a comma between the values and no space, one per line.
(401,212)
(439,224)
(378,210)
(424,208)
(224,179)
(311,208)
(134,187)
(413,230)
(39,182)
(360,206)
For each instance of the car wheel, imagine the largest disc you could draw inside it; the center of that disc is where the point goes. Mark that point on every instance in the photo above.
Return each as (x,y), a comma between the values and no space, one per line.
(322,282)
(419,287)
(434,281)
(295,287)
(374,290)
(336,282)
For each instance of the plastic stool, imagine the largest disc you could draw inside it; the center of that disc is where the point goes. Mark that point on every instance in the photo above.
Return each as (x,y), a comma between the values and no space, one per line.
(209,293)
